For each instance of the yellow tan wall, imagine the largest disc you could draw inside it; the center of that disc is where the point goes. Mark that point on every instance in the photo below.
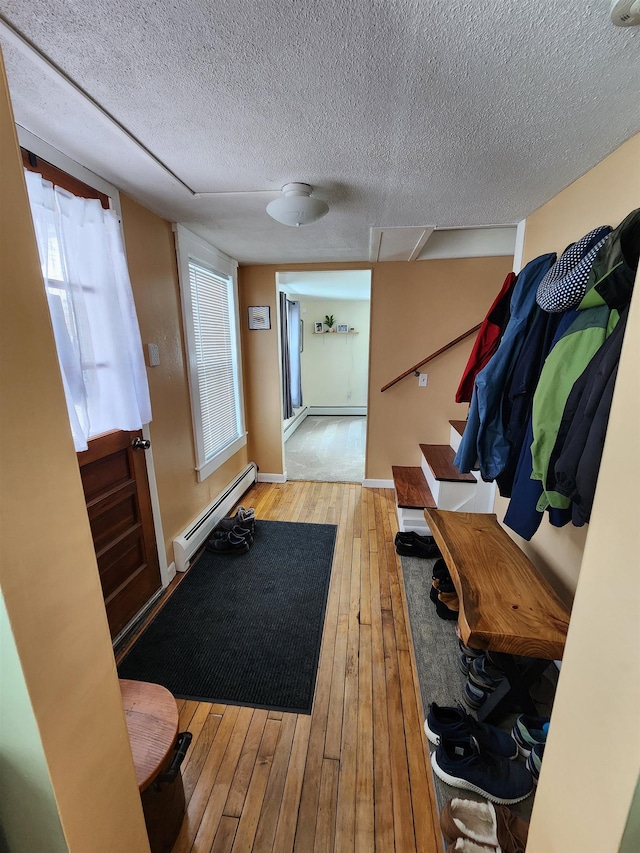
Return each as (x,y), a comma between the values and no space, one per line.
(48,570)
(154,277)
(415,309)
(592,759)
(604,196)
(261,370)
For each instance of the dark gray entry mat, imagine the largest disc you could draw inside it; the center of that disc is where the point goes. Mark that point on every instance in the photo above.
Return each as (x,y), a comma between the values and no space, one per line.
(244,630)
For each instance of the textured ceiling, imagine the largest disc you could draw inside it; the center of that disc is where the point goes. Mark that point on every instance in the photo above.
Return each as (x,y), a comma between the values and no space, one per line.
(414,113)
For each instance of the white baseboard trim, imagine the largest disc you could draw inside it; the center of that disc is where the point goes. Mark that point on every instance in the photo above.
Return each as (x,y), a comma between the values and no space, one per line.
(337,410)
(272,478)
(295,423)
(171,573)
(137,619)
(377,484)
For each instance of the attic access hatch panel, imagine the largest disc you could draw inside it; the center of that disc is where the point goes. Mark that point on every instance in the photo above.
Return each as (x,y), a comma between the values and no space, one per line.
(421,243)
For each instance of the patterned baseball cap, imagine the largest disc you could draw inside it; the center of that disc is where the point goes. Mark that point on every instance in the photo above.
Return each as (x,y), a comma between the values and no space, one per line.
(566,282)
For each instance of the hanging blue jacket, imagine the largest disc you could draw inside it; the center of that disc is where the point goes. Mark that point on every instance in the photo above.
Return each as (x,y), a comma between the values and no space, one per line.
(523,515)
(484,440)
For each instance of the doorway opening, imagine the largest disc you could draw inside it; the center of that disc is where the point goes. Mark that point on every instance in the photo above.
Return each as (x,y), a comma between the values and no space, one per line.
(324,319)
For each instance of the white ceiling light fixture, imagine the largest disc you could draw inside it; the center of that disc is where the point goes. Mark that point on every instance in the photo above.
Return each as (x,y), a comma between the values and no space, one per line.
(296,207)
(625,13)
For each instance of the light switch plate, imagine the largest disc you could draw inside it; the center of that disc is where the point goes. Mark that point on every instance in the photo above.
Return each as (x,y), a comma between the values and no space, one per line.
(422,380)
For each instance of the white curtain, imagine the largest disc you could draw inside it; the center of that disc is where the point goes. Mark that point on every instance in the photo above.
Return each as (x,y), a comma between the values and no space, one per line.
(92,311)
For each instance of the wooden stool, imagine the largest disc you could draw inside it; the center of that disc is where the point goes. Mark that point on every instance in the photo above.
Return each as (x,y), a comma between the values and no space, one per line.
(152,722)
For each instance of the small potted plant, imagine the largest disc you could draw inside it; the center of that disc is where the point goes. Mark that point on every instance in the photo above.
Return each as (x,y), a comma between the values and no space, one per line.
(329,321)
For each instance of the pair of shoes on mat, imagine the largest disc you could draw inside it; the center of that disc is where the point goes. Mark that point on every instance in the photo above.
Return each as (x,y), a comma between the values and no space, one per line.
(455,724)
(443,592)
(471,827)
(483,676)
(412,544)
(245,519)
(234,535)
(472,767)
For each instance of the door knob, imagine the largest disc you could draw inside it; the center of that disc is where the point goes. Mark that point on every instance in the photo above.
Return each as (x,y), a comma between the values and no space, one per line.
(141,444)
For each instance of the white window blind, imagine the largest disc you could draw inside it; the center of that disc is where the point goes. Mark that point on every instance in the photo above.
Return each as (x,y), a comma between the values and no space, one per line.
(210,313)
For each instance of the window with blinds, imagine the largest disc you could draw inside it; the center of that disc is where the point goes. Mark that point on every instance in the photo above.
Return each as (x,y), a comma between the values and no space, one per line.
(211,325)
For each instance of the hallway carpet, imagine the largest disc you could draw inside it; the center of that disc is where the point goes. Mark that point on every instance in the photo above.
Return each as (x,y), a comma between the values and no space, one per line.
(327,448)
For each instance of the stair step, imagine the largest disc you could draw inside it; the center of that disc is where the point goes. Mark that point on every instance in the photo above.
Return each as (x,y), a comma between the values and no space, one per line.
(412,491)
(439,458)
(458,426)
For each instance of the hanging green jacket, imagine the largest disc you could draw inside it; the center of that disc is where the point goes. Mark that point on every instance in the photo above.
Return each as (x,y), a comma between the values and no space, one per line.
(608,289)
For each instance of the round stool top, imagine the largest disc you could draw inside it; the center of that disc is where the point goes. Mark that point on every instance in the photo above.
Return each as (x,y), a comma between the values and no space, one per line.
(152,722)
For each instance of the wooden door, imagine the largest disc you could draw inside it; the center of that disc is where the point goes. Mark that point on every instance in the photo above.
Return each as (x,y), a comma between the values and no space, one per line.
(116,488)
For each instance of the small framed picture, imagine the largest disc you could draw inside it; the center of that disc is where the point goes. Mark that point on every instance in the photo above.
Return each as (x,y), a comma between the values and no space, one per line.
(319,328)
(259,317)
(343,327)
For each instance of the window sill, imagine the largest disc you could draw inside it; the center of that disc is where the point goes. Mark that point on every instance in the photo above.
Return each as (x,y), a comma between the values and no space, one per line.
(220,458)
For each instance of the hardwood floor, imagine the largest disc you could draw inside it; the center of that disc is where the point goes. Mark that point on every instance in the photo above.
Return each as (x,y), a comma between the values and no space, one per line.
(352,777)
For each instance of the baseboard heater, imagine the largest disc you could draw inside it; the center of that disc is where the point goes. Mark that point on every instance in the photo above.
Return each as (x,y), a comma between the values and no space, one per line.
(191,539)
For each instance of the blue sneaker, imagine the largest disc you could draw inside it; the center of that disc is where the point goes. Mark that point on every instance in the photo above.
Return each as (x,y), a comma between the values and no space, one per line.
(485,674)
(470,767)
(474,696)
(528,731)
(454,724)
(534,761)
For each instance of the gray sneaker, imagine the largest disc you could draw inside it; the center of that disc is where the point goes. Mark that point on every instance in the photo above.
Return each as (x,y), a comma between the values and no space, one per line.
(245,519)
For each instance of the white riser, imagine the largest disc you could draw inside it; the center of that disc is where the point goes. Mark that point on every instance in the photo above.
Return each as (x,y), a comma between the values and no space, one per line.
(485,495)
(452,496)
(412,519)
(454,438)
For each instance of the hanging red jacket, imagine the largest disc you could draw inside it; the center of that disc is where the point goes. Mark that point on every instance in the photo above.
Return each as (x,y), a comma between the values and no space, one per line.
(488,339)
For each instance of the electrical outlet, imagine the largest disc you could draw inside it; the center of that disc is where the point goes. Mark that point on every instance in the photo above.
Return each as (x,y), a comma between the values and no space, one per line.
(422,380)
(154,355)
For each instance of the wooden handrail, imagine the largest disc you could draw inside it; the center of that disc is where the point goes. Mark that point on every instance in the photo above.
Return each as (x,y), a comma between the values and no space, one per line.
(431,357)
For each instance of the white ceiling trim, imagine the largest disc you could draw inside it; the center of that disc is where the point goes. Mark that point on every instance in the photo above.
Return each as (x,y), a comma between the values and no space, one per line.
(42,61)
(417,249)
(47,152)
(375,238)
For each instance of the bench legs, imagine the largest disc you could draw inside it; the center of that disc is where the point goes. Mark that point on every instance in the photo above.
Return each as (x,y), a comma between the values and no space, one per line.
(514,689)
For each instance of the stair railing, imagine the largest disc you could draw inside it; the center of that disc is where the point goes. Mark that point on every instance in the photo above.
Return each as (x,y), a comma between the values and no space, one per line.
(429,358)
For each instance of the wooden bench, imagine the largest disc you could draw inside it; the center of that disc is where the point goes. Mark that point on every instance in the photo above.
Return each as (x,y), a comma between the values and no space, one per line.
(506,606)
